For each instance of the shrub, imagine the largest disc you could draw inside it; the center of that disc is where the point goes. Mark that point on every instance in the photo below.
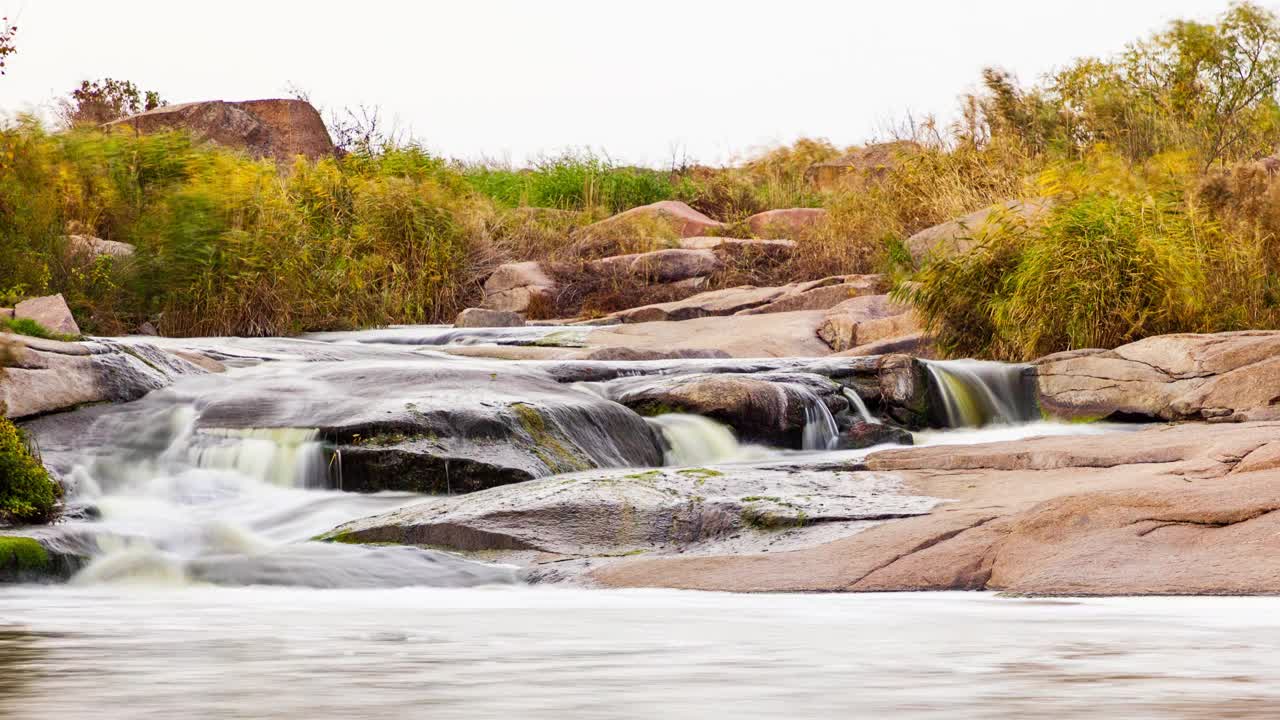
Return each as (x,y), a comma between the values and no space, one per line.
(27,493)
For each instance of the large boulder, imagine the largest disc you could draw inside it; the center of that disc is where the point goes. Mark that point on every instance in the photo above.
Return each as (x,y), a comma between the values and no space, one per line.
(482,318)
(436,426)
(51,312)
(518,287)
(751,300)
(961,235)
(628,512)
(864,320)
(867,163)
(1220,377)
(772,408)
(787,222)
(47,376)
(658,266)
(661,221)
(785,334)
(277,128)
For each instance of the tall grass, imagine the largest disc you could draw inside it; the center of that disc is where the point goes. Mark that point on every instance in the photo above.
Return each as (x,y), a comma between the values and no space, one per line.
(572,181)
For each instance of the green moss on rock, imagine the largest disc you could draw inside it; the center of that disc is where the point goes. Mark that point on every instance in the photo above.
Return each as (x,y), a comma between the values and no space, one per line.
(23,557)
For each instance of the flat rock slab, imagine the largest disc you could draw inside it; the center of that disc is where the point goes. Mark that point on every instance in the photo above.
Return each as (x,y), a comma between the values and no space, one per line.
(1166,510)
(1219,377)
(621,512)
(787,334)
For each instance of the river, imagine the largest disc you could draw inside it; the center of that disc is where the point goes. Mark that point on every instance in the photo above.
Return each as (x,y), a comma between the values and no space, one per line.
(205,596)
(207,652)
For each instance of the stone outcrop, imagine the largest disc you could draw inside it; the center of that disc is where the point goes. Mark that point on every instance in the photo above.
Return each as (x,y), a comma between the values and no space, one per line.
(51,312)
(1230,376)
(866,163)
(659,266)
(961,235)
(515,287)
(629,512)
(1167,510)
(865,320)
(665,219)
(480,317)
(278,129)
(750,300)
(786,223)
(771,408)
(789,334)
(50,376)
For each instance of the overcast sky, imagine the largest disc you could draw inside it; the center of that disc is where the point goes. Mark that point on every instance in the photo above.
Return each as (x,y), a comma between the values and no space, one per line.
(509,79)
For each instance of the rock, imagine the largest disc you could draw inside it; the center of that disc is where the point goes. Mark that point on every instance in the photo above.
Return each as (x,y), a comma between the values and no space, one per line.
(615,354)
(51,312)
(517,287)
(1165,510)
(629,512)
(279,129)
(750,300)
(659,266)
(480,317)
(902,387)
(6,313)
(148,329)
(786,223)
(864,435)
(50,376)
(871,163)
(778,249)
(791,334)
(769,408)
(92,247)
(436,426)
(917,345)
(665,219)
(959,236)
(864,320)
(1220,377)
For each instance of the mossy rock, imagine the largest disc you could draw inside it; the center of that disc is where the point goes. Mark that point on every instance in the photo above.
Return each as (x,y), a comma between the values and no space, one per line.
(24,559)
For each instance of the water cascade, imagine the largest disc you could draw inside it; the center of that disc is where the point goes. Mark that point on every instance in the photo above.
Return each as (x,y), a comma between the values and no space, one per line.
(861,406)
(976,393)
(696,440)
(820,430)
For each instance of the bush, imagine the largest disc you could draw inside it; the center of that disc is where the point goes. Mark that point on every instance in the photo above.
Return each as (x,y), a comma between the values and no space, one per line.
(27,494)
(1105,268)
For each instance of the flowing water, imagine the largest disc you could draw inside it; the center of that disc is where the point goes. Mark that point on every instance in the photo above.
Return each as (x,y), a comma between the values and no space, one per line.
(206,598)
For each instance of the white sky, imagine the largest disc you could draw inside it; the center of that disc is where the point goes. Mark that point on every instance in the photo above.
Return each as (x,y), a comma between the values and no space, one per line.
(509,79)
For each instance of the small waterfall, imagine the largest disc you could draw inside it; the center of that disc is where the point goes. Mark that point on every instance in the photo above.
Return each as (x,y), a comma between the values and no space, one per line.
(976,393)
(287,457)
(820,430)
(696,440)
(861,406)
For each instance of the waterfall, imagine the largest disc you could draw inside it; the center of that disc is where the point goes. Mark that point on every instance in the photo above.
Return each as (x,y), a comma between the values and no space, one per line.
(861,406)
(288,457)
(976,393)
(696,440)
(820,430)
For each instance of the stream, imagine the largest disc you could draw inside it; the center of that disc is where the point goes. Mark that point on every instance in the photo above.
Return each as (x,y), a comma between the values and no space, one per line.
(197,506)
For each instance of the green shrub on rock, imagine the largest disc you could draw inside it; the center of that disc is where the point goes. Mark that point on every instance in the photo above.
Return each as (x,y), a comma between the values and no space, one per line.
(27,493)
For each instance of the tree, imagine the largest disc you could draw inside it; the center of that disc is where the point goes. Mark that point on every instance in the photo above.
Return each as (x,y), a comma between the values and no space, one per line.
(102,101)
(7,48)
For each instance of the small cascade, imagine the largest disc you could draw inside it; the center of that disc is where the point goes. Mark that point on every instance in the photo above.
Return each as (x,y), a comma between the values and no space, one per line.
(287,457)
(976,393)
(820,430)
(861,406)
(696,440)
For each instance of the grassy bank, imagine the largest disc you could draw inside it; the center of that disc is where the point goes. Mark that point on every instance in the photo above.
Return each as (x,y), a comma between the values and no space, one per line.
(1161,221)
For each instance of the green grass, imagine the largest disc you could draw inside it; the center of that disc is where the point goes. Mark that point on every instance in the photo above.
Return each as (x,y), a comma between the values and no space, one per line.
(572,181)
(31,328)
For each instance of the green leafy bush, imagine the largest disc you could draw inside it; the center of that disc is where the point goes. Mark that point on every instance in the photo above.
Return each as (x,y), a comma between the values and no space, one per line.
(27,494)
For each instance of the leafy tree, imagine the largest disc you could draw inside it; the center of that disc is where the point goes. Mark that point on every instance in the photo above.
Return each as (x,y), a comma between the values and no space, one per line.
(102,101)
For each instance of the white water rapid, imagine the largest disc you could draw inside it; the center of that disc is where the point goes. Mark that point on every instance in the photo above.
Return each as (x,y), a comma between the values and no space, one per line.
(976,393)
